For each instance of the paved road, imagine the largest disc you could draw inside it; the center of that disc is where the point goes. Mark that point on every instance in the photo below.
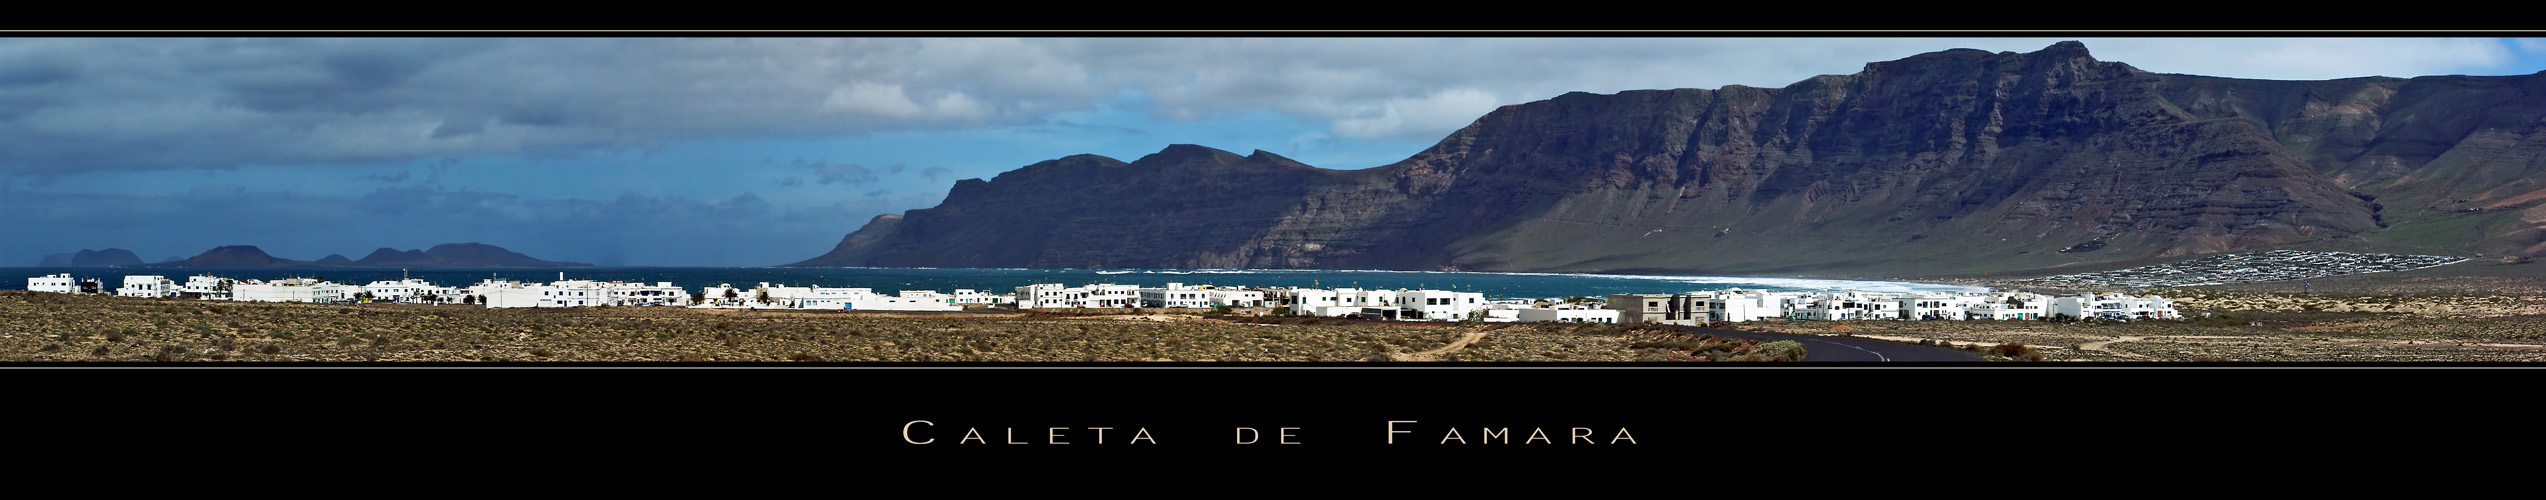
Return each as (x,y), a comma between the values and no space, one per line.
(1851,349)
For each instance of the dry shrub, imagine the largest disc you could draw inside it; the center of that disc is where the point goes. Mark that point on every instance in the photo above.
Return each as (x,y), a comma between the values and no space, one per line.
(1782,350)
(2016,351)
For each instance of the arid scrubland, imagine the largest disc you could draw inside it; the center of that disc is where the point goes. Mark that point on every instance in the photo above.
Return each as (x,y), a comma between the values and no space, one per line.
(2240,326)
(2257,326)
(45,327)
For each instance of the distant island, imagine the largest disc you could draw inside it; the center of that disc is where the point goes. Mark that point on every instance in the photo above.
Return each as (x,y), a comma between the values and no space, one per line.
(448,255)
(112,257)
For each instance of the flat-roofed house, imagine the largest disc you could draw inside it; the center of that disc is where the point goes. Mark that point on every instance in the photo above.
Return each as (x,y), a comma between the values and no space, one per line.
(147,285)
(1662,309)
(1175,295)
(55,283)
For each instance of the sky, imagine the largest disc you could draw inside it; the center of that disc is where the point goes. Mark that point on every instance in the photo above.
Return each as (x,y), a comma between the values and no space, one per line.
(763,152)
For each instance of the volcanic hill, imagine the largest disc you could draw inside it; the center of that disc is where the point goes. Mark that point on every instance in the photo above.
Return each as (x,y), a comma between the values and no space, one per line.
(449,255)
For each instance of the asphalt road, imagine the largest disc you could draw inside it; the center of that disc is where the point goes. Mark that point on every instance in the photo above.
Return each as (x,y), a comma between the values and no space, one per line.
(1821,349)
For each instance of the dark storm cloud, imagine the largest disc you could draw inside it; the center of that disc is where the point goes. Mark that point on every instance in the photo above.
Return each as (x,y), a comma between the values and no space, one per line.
(219,103)
(38,69)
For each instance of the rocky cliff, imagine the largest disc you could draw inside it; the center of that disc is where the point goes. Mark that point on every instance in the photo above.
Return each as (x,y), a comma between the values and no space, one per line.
(1953,161)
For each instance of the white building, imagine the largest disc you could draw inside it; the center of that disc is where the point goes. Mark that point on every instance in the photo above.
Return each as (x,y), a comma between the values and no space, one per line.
(147,285)
(489,290)
(2012,306)
(1335,302)
(1430,305)
(1940,306)
(661,293)
(2114,306)
(1048,295)
(564,293)
(1234,297)
(1441,305)
(723,295)
(909,300)
(55,283)
(288,290)
(822,298)
(1663,309)
(1175,295)
(970,296)
(806,297)
(1850,305)
(580,293)
(1304,301)
(207,287)
(1739,305)
(406,290)
(1544,314)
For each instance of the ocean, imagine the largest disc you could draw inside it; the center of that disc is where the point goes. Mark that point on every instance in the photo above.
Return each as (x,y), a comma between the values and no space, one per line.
(1004,281)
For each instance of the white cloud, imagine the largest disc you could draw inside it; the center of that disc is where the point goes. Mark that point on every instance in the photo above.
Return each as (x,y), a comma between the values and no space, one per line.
(79,104)
(870,98)
(1419,118)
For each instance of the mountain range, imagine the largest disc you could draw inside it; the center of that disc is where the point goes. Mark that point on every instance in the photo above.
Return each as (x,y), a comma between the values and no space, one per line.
(449,255)
(1946,162)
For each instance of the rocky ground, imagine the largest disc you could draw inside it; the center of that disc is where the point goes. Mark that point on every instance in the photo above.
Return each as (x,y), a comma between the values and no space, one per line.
(2257,326)
(45,327)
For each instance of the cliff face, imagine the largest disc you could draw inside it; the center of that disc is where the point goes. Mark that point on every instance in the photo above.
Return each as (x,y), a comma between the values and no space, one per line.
(853,249)
(2453,163)
(1952,161)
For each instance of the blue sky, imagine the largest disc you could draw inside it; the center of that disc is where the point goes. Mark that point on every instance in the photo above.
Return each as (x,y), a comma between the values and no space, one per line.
(752,152)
